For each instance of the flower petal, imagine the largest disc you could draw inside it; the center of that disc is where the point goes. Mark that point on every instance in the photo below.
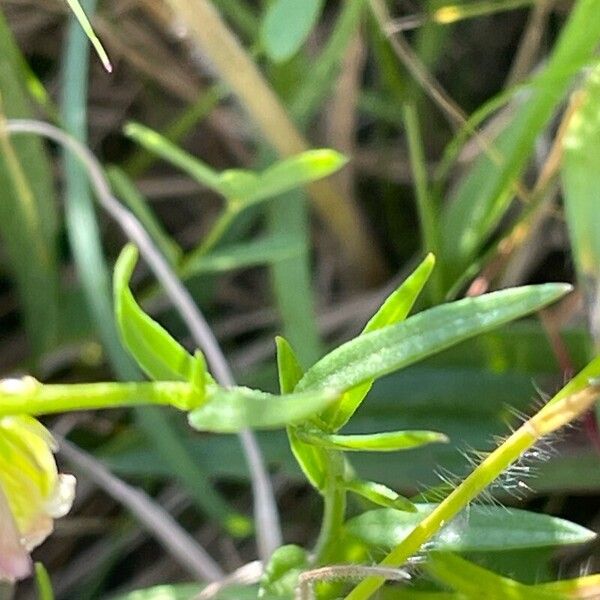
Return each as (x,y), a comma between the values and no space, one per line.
(15,562)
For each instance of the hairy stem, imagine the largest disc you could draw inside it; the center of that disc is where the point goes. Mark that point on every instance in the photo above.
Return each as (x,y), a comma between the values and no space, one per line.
(553,416)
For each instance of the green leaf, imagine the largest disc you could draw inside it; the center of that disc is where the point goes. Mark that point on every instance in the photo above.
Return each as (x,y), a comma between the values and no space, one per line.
(280,577)
(229,410)
(239,186)
(464,576)
(380,494)
(286,26)
(311,459)
(391,441)
(263,250)
(159,355)
(399,303)
(28,210)
(158,144)
(294,172)
(288,366)
(476,529)
(486,192)
(394,310)
(43,583)
(383,351)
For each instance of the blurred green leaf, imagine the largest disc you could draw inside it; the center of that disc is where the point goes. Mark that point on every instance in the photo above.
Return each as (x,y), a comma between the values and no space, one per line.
(263,250)
(391,441)
(229,410)
(43,583)
(394,310)
(286,25)
(485,193)
(280,577)
(159,355)
(293,172)
(158,144)
(28,214)
(380,494)
(477,529)
(239,186)
(472,580)
(580,174)
(383,351)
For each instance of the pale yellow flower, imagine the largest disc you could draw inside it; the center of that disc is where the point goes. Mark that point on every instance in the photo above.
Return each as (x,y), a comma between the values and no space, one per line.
(32,492)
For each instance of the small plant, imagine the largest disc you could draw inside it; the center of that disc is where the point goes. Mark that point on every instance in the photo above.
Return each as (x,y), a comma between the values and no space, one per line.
(314,405)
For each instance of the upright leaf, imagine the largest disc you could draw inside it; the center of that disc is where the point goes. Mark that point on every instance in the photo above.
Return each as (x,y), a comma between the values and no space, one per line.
(394,310)
(28,215)
(312,459)
(484,194)
(159,355)
(286,26)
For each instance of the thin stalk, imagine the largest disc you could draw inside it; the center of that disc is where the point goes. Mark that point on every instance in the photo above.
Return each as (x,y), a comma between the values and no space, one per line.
(265,509)
(29,396)
(215,235)
(553,416)
(425,202)
(334,513)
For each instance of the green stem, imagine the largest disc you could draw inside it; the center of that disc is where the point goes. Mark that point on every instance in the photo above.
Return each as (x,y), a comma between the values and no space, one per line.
(334,510)
(28,396)
(425,206)
(472,486)
(214,236)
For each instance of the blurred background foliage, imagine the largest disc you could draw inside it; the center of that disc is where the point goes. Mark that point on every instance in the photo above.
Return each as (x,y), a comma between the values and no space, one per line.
(471,130)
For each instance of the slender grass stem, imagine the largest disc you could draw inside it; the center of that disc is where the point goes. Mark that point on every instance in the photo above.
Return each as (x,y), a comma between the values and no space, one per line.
(425,205)
(553,416)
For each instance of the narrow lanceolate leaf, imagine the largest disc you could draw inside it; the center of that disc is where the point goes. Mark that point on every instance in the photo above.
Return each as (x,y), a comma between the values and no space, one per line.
(391,441)
(311,459)
(581,185)
(229,410)
(383,351)
(28,211)
(288,366)
(246,187)
(477,529)
(159,355)
(264,250)
(394,310)
(286,26)
(486,192)
(294,172)
(380,494)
